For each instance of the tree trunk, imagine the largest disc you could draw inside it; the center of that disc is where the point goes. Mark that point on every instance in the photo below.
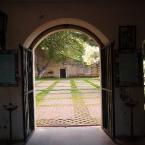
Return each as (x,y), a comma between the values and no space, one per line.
(41,70)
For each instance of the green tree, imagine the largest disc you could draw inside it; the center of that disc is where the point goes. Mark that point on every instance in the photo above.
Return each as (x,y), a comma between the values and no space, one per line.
(63,45)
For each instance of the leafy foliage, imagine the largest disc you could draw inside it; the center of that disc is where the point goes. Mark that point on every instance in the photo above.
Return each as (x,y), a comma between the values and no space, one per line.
(62,45)
(67,44)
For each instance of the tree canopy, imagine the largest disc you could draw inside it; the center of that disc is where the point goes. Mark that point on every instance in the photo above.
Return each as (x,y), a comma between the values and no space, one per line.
(68,44)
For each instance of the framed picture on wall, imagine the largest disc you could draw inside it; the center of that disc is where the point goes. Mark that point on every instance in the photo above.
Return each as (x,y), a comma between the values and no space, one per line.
(130,69)
(127,37)
(9,68)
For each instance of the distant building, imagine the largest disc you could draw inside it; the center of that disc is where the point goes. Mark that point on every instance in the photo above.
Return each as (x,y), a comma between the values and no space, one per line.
(69,68)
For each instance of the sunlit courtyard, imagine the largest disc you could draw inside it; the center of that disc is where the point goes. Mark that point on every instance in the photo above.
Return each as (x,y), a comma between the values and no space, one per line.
(68,102)
(67,86)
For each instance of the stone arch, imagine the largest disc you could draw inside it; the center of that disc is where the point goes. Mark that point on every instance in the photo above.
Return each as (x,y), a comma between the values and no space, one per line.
(61,24)
(76,24)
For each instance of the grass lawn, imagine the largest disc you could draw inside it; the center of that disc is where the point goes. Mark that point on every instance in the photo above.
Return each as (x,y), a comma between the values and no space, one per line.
(44,92)
(96,85)
(74,90)
(71,78)
(76,94)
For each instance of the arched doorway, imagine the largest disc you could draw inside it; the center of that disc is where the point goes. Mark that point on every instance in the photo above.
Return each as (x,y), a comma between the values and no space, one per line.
(106,70)
(71,58)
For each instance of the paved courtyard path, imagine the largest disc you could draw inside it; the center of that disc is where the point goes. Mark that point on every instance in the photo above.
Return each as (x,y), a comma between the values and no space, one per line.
(73,102)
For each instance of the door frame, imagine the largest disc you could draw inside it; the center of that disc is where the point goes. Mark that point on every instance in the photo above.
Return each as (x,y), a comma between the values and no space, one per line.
(31,92)
(87,31)
(107,89)
(60,72)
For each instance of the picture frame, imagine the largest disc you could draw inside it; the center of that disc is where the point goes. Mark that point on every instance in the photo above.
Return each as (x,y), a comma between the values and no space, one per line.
(130,69)
(127,38)
(9,68)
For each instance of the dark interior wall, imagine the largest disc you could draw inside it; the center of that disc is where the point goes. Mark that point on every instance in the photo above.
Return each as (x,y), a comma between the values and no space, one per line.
(25,16)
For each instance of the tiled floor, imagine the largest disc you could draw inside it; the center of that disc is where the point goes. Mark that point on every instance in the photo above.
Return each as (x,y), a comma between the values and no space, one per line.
(42,85)
(73,136)
(60,108)
(70,136)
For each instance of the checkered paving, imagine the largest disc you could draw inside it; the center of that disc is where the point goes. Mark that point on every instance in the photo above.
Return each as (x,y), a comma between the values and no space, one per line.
(60,108)
(67,122)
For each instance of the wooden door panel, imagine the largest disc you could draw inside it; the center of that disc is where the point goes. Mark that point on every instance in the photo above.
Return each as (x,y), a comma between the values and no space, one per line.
(27,91)
(107,89)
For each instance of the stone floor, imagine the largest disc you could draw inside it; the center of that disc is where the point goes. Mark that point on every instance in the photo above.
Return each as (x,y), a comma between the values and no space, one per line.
(92,135)
(70,136)
(40,85)
(60,108)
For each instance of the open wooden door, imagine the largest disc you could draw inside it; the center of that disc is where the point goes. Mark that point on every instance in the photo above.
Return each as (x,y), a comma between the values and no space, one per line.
(108,123)
(27,91)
